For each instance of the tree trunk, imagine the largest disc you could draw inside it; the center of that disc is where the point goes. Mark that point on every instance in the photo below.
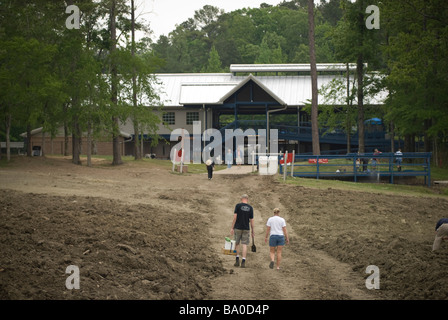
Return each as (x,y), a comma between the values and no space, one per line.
(348,122)
(141,146)
(360,78)
(89,144)
(76,142)
(392,137)
(137,154)
(65,139)
(8,138)
(42,153)
(114,88)
(409,143)
(28,137)
(314,102)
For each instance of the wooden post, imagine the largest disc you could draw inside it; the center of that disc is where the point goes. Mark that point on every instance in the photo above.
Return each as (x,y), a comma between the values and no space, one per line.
(253,161)
(285,160)
(174,160)
(292,162)
(182,161)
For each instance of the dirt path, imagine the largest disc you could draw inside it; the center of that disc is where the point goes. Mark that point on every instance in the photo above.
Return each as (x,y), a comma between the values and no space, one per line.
(305,273)
(174,228)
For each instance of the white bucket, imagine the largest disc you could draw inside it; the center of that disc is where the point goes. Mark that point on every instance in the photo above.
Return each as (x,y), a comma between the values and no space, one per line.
(229,245)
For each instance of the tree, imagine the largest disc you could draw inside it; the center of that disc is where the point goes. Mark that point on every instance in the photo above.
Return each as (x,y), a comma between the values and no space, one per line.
(353,42)
(80,70)
(114,86)
(314,89)
(269,34)
(51,76)
(271,49)
(336,107)
(214,64)
(27,79)
(416,68)
(137,153)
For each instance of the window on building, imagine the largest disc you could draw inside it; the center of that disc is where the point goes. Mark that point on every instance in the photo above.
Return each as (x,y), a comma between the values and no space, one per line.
(192,116)
(169,118)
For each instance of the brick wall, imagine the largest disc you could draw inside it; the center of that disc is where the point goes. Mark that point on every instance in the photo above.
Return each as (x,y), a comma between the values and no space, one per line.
(56,145)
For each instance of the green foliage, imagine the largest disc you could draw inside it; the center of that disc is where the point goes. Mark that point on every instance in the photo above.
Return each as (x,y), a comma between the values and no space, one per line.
(214,64)
(53,77)
(269,34)
(417,67)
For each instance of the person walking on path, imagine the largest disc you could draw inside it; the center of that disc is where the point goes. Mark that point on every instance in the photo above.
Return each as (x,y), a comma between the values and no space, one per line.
(210,166)
(441,233)
(278,237)
(242,224)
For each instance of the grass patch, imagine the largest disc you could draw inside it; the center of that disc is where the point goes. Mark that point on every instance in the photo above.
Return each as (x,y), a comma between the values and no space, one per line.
(193,168)
(418,188)
(345,165)
(439,173)
(387,188)
(105,162)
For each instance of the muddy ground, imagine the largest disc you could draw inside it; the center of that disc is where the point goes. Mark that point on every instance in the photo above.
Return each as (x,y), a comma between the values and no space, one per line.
(139,231)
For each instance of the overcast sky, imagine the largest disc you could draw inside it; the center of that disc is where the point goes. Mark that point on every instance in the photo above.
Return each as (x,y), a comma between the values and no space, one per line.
(163,15)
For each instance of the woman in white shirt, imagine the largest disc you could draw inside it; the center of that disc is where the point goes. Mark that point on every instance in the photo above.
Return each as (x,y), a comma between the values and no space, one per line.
(278,236)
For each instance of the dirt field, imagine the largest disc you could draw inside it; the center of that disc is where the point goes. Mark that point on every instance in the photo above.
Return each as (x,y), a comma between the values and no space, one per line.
(139,231)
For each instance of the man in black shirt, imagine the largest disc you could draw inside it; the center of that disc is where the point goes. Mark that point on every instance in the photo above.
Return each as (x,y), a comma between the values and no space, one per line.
(243,222)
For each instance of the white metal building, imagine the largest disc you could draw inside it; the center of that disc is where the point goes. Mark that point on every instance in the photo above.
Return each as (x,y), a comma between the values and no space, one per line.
(248,93)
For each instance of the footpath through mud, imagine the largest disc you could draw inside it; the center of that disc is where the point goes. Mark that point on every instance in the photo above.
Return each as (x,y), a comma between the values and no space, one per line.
(139,231)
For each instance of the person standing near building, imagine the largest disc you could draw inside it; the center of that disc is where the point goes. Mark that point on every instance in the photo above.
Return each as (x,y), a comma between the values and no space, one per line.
(278,237)
(441,233)
(229,159)
(242,224)
(399,159)
(239,157)
(375,161)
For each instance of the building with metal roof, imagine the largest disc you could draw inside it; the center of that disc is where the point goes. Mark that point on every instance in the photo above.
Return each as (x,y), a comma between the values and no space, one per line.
(249,97)
(246,98)
(213,88)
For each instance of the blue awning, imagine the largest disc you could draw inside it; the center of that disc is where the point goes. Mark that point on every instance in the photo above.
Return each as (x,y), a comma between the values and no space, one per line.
(374,121)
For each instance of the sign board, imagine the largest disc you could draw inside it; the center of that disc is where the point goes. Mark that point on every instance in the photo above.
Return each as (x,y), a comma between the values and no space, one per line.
(311,161)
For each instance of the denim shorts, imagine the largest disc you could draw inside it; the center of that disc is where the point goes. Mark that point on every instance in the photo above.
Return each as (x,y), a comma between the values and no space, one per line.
(276,240)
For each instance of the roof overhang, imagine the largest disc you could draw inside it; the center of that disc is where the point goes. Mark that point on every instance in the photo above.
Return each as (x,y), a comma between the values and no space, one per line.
(204,93)
(255,80)
(306,67)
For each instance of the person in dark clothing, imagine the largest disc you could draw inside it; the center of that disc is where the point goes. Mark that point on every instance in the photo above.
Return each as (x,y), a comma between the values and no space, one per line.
(365,162)
(210,166)
(243,222)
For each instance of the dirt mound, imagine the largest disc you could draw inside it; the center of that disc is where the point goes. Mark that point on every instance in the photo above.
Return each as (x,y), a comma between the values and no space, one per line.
(122,251)
(394,233)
